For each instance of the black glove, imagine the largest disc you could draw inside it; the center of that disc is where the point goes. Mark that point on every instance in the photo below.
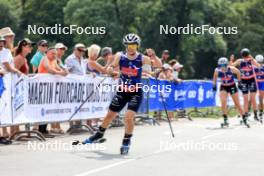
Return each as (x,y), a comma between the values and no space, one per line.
(240,86)
(214,88)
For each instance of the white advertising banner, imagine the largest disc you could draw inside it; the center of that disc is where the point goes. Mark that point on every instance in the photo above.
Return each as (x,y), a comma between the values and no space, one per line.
(49,98)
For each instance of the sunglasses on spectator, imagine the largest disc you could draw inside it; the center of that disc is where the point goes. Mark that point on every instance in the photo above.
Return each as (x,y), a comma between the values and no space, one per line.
(44,45)
(80,50)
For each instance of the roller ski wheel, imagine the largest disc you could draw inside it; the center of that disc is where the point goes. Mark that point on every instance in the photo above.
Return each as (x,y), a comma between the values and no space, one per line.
(124,149)
(87,141)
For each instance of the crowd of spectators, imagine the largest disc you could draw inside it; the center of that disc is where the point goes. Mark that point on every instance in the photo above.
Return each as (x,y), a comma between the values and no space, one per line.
(52,60)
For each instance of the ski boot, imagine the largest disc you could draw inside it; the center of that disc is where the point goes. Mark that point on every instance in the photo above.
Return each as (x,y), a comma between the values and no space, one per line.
(260,117)
(256,116)
(244,119)
(244,116)
(225,124)
(125,144)
(124,149)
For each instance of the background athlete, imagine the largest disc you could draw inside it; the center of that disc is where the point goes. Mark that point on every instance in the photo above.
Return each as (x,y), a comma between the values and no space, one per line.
(248,81)
(227,75)
(130,64)
(260,81)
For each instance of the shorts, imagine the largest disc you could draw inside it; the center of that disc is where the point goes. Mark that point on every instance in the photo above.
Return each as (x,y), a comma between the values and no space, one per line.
(120,100)
(261,86)
(248,85)
(232,89)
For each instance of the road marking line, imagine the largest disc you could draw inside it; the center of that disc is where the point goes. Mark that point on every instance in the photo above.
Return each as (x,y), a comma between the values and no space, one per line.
(213,135)
(105,167)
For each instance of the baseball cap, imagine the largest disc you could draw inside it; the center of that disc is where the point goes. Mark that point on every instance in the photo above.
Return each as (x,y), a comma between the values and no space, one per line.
(60,45)
(167,66)
(177,65)
(50,48)
(165,52)
(26,41)
(79,45)
(42,42)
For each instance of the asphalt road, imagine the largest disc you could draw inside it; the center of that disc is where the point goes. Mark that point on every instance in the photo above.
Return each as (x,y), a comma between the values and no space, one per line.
(199,148)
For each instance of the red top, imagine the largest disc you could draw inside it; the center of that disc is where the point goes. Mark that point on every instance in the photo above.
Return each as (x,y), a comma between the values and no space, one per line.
(24,68)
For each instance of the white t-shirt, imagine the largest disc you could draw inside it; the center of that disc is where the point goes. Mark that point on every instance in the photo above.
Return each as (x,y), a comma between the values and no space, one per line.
(5,56)
(175,74)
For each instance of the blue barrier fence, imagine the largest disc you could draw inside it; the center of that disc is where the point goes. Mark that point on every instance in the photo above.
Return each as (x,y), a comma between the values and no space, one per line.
(183,95)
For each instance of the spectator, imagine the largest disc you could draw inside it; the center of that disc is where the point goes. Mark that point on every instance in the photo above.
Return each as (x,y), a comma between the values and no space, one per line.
(177,67)
(165,56)
(92,65)
(6,58)
(36,59)
(75,62)
(60,48)
(166,74)
(23,49)
(147,70)
(106,57)
(3,139)
(20,61)
(95,68)
(49,65)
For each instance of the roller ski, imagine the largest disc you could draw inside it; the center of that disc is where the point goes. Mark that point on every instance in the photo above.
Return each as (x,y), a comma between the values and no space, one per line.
(95,138)
(87,141)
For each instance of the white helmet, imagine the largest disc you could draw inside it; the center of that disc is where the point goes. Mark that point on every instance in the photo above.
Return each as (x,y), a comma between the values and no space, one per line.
(259,58)
(131,39)
(222,61)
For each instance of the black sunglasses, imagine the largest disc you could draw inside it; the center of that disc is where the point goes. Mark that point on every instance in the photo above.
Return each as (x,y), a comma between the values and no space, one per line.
(81,50)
